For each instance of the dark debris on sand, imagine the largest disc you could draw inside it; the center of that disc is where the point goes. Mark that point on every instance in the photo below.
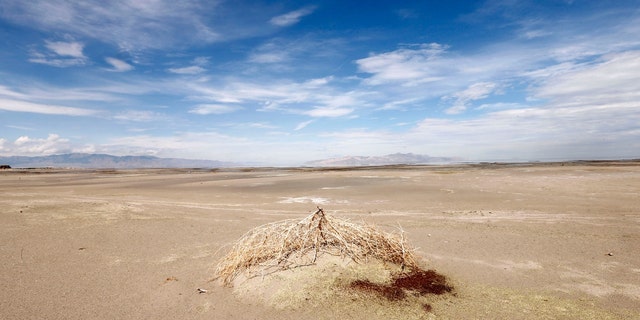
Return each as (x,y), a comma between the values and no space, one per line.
(418,282)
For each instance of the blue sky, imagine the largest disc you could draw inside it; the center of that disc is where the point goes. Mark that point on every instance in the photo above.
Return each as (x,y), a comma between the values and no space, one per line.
(284,82)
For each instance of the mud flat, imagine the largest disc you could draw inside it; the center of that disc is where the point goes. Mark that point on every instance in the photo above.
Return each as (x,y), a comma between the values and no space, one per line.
(516,241)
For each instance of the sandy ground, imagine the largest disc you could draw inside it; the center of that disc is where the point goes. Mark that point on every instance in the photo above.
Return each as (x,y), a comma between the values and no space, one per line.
(517,241)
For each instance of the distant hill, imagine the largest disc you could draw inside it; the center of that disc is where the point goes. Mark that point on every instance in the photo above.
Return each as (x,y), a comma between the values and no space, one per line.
(396,158)
(95,161)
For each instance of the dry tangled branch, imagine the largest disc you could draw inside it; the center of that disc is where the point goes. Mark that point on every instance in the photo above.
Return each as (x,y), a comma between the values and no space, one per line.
(293,243)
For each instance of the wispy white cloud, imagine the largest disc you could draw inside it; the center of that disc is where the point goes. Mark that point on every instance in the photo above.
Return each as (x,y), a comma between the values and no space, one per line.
(270,56)
(273,51)
(293,55)
(118,65)
(55,62)
(474,92)
(330,112)
(209,93)
(500,106)
(140,116)
(557,45)
(130,24)
(303,125)
(583,113)
(436,71)
(615,78)
(36,91)
(532,34)
(187,70)
(399,104)
(33,146)
(318,82)
(408,65)
(31,107)
(24,128)
(535,133)
(291,18)
(61,54)
(70,49)
(432,71)
(316,97)
(249,125)
(8,92)
(261,125)
(201,61)
(198,66)
(134,25)
(284,96)
(205,109)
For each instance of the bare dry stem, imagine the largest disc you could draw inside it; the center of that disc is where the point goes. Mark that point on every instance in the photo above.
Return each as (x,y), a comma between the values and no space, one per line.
(293,243)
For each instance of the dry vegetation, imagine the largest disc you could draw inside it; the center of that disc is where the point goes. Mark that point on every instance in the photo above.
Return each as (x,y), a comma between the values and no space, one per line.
(293,243)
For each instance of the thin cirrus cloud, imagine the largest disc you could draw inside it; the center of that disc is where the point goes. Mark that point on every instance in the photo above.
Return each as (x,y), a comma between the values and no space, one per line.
(140,116)
(409,65)
(291,18)
(463,98)
(330,112)
(187,70)
(275,96)
(207,109)
(290,54)
(60,54)
(615,79)
(118,65)
(270,53)
(127,24)
(70,49)
(30,107)
(135,26)
(303,125)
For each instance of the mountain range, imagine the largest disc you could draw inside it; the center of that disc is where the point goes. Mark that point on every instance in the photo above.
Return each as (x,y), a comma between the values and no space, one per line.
(94,161)
(390,159)
(87,161)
